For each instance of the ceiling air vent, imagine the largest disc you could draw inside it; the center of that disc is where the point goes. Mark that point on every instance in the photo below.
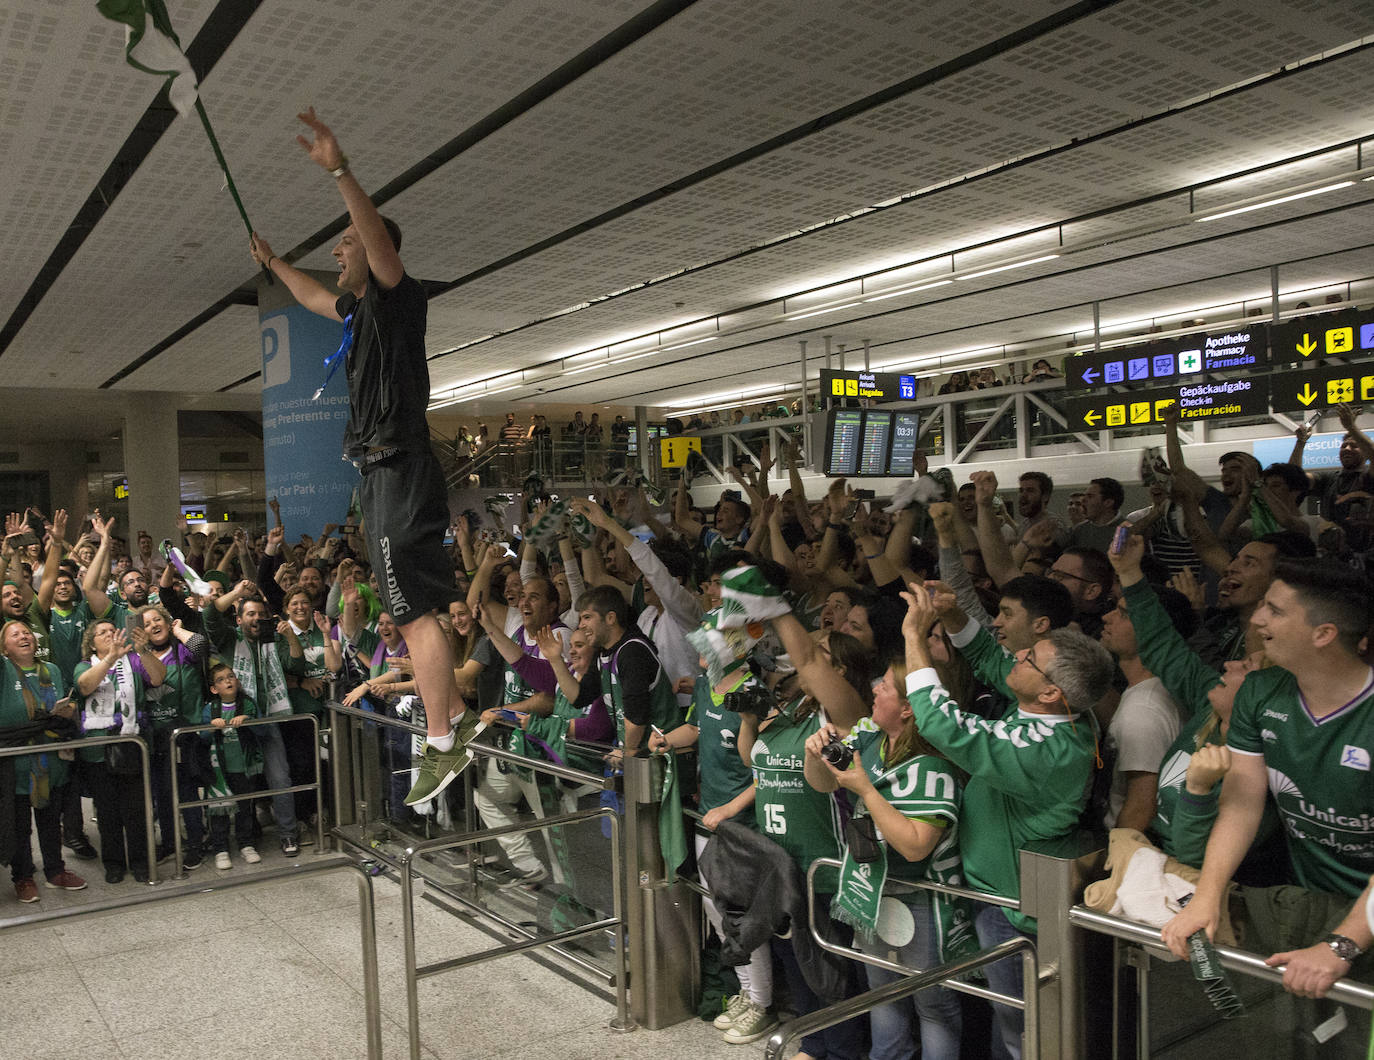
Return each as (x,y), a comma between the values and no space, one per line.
(233,458)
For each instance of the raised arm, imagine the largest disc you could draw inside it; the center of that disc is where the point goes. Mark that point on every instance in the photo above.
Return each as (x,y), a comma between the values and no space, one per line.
(304,288)
(683,518)
(479,591)
(842,703)
(98,573)
(52,559)
(996,553)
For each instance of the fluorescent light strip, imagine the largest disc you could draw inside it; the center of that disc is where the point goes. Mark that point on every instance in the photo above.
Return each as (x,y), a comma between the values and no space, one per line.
(1276,202)
(684,345)
(1004,268)
(909,290)
(818,312)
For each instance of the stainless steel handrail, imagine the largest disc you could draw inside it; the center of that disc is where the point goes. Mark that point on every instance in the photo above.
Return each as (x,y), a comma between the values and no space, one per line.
(1344,991)
(1031,960)
(100,741)
(273,719)
(865,1002)
(539,765)
(415,972)
(366,916)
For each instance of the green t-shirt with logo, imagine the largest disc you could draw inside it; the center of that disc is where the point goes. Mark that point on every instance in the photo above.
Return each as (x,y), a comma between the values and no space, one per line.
(65,630)
(922,788)
(803,821)
(723,773)
(1319,775)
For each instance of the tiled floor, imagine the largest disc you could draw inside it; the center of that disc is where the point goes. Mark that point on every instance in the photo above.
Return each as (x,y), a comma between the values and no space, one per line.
(276,971)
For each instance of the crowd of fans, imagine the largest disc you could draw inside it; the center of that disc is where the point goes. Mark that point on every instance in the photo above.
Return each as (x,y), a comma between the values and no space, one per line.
(919,690)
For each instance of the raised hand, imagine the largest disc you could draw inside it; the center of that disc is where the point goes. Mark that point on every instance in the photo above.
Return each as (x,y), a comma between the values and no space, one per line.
(261,252)
(59,524)
(324,150)
(1186,583)
(921,613)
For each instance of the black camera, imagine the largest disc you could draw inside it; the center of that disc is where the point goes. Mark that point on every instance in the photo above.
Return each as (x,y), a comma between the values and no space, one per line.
(837,754)
(749,699)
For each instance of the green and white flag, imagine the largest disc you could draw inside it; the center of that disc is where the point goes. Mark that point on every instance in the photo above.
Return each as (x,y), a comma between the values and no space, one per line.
(152,46)
(747,597)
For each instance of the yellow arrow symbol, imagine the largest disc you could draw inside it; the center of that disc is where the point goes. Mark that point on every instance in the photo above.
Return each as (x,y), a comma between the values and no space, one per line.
(1307,395)
(1306,346)
(1091,418)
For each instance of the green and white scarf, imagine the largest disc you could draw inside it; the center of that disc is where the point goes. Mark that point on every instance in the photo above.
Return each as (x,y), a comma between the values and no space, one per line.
(747,597)
(250,660)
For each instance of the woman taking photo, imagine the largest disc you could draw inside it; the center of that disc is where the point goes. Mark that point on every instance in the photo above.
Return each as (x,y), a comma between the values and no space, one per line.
(112,691)
(910,796)
(30,690)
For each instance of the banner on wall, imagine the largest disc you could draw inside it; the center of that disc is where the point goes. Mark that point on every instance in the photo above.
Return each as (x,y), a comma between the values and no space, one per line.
(302,438)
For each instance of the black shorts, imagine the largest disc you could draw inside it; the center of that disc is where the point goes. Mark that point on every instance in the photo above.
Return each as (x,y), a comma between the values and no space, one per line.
(405,518)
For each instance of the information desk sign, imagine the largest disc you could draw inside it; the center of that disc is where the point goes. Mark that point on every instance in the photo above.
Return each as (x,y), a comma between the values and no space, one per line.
(902,462)
(1347,333)
(880,386)
(1322,388)
(844,438)
(1159,362)
(676,451)
(1201,400)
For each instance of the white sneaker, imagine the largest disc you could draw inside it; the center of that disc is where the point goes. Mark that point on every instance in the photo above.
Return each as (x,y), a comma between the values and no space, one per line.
(250,855)
(222,860)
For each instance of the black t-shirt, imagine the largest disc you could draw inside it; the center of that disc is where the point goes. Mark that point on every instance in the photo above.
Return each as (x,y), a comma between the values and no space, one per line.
(388,377)
(636,668)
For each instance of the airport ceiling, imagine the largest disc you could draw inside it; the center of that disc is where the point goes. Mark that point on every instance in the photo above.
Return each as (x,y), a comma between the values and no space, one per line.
(585,182)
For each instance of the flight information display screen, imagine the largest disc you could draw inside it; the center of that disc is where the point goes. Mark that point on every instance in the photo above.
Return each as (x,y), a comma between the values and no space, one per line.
(902,462)
(846,437)
(877,434)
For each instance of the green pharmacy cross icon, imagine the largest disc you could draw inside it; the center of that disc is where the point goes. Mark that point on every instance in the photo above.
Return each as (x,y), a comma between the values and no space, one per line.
(1189,361)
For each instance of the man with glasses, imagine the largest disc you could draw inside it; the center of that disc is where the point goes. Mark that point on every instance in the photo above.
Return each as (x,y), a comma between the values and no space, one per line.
(1028,772)
(404,495)
(1088,575)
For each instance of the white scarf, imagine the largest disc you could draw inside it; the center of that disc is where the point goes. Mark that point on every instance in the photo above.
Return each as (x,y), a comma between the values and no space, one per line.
(114,694)
(247,667)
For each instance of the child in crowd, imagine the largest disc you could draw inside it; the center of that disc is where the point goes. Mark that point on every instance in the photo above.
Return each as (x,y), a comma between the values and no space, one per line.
(234,757)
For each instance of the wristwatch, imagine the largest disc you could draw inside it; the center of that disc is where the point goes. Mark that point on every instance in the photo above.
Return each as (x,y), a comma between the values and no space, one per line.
(1344,948)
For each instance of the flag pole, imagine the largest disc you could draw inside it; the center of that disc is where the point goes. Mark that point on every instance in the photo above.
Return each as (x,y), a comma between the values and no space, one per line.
(228,179)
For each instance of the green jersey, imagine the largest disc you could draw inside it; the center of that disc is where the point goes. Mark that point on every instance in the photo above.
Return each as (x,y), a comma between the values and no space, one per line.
(179,700)
(803,821)
(38,626)
(922,788)
(1028,782)
(633,654)
(44,684)
(65,631)
(312,644)
(100,709)
(1319,775)
(723,774)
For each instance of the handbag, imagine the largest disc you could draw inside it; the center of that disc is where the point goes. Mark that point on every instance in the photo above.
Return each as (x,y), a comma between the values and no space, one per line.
(123,759)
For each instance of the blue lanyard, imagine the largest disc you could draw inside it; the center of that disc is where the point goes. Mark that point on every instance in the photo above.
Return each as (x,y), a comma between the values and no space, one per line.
(331,363)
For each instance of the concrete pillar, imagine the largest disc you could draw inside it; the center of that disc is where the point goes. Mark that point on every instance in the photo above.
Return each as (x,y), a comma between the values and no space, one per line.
(152,461)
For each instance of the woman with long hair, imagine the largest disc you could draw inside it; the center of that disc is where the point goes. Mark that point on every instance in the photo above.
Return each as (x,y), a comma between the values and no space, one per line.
(31,690)
(910,794)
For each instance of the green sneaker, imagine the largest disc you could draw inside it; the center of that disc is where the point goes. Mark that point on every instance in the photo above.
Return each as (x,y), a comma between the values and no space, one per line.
(750,1025)
(734,1007)
(469,727)
(438,769)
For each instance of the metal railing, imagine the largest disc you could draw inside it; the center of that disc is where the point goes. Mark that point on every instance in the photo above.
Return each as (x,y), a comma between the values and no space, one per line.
(366,917)
(890,992)
(343,747)
(615,923)
(276,719)
(87,742)
(1147,939)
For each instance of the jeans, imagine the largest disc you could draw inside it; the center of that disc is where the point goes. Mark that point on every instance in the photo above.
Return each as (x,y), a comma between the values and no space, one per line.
(941,1018)
(993,927)
(277,770)
(188,790)
(49,821)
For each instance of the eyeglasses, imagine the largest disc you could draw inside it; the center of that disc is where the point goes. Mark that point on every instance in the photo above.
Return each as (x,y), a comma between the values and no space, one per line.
(1060,575)
(1029,658)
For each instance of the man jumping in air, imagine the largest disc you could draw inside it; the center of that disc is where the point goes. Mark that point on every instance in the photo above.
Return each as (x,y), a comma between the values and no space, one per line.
(404,495)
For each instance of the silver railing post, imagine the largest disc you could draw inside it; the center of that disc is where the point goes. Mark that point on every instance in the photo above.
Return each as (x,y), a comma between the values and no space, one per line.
(1049,888)
(664,916)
